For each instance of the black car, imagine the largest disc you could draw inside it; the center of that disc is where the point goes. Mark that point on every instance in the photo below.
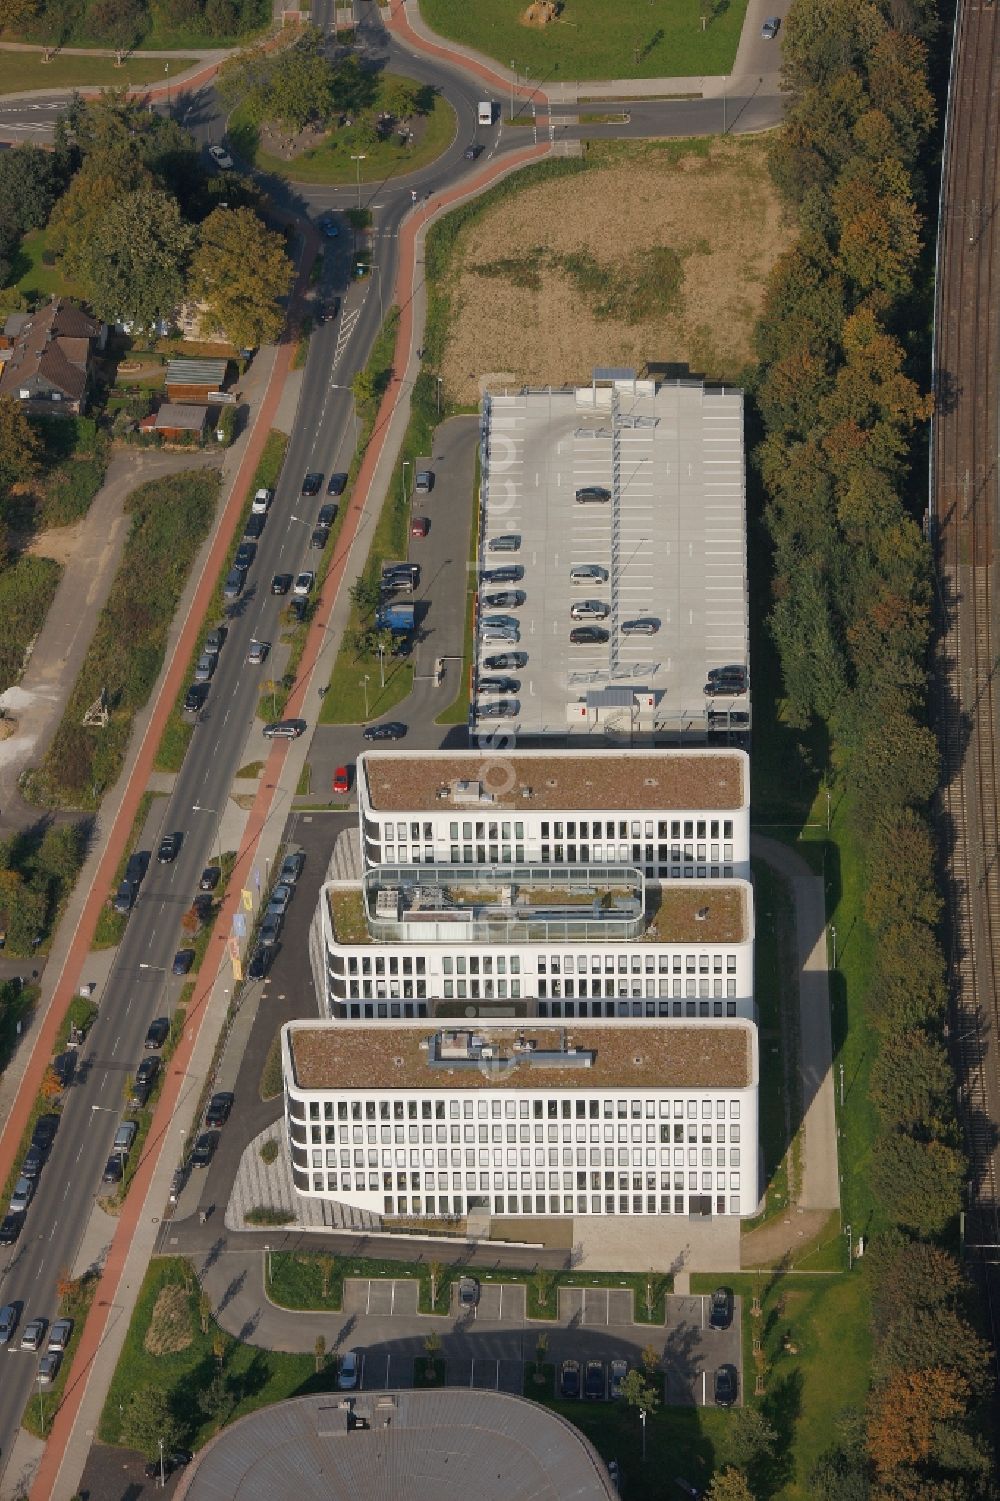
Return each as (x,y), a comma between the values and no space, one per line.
(471,152)
(312,484)
(43,1135)
(169,849)
(112,1169)
(195,697)
(210,878)
(64,1067)
(319,537)
(245,554)
(32,1164)
(202,906)
(204,1148)
(337,485)
(506,661)
(183,960)
(219,1107)
(569,1379)
(281,583)
(260,962)
(175,1460)
(125,897)
(593,1381)
(327,515)
(721,1312)
(139,1094)
(393,730)
(298,611)
(725,1386)
(284,729)
(498,685)
(588,635)
(254,529)
(511,575)
(10,1228)
(157,1034)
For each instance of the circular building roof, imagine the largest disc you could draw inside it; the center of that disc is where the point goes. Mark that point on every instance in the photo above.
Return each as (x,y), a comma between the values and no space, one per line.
(444,1445)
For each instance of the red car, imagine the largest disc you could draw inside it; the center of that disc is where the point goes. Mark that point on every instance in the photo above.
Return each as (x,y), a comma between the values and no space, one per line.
(342,779)
(419,526)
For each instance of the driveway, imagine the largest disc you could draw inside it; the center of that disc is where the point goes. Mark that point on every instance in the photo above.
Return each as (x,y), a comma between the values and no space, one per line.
(37,702)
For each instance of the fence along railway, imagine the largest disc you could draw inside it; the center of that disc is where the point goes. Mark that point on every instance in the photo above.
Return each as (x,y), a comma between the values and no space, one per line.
(966,525)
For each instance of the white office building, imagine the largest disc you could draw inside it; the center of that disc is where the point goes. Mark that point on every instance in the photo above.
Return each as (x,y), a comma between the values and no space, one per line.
(674,814)
(546,941)
(513,1120)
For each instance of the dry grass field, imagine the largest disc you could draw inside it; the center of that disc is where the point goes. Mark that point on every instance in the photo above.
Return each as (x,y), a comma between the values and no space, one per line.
(659,256)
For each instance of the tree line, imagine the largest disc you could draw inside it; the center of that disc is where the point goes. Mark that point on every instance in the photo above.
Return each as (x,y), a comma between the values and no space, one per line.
(124,24)
(844,417)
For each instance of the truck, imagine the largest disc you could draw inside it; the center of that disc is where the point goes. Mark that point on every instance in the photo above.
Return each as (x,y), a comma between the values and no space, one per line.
(396,618)
(486,107)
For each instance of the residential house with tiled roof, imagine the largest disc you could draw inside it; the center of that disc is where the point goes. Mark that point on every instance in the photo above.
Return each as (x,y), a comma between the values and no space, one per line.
(46,357)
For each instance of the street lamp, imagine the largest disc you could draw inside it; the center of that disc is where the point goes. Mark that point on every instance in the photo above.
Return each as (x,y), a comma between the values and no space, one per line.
(642,1420)
(163,1477)
(513,81)
(359,160)
(833,940)
(364,684)
(381,661)
(167,72)
(406,465)
(439,380)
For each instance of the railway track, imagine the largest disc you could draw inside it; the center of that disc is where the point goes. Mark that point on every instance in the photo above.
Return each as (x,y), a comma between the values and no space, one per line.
(966,524)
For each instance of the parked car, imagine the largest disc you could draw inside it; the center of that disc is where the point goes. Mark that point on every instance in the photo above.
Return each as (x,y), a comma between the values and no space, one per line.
(725,1386)
(59,1334)
(506,660)
(254,529)
(64,1067)
(219,1107)
(507,635)
(261,501)
(319,537)
(507,599)
(260,963)
(424,482)
(468,1292)
(281,583)
(45,1130)
(34,1160)
(419,526)
(157,1033)
(303,583)
(270,930)
(588,635)
(327,515)
(183,960)
(338,484)
(509,575)
(498,685)
(589,609)
(587,573)
(9,1315)
(312,484)
(24,1192)
(592,495)
(644,626)
(257,653)
(506,542)
(221,157)
(721,1311)
(391,730)
(284,729)
(204,1148)
(170,846)
(298,611)
(618,1371)
(245,555)
(48,1366)
(504,622)
(280,898)
(125,898)
(195,697)
(205,666)
(124,1137)
(341,780)
(593,1381)
(210,878)
(503,708)
(291,867)
(233,587)
(10,1228)
(569,1379)
(769,30)
(347,1376)
(176,1459)
(34,1334)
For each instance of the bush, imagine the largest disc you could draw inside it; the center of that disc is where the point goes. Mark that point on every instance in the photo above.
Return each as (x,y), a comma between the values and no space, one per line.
(27,589)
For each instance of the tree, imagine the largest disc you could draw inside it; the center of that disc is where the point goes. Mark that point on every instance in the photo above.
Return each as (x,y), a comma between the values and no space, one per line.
(912,1080)
(366,592)
(908,985)
(896,761)
(240,271)
(904,1412)
(29,181)
(216,1399)
(319,1352)
(432,1348)
(327,1267)
(750,1438)
(650,1358)
(120,22)
(20,447)
(148,1418)
(900,863)
(435,1272)
(919,1182)
(729,1485)
(399,97)
(542,1282)
(364,388)
(191,922)
(640,1393)
(204,1311)
(135,263)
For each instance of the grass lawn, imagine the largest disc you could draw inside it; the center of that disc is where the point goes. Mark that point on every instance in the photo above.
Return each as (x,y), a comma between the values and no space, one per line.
(330,161)
(20,71)
(27,589)
(253,1377)
(42,1406)
(29,275)
(594,38)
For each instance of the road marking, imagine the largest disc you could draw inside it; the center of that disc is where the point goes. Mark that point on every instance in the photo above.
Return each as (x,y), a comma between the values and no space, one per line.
(392,1298)
(500,1315)
(346,329)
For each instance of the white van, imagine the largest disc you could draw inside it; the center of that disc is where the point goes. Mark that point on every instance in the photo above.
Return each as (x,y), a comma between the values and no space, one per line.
(485,112)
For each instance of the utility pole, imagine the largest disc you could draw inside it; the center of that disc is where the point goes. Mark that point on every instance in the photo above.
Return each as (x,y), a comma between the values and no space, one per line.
(357,161)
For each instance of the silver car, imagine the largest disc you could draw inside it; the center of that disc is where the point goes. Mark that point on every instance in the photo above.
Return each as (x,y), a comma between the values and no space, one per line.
(24,1190)
(586,573)
(589,609)
(280,897)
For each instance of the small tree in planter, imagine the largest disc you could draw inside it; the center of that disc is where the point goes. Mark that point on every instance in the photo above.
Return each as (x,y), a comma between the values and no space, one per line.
(436,1272)
(327,1267)
(432,1348)
(319,1350)
(543,1286)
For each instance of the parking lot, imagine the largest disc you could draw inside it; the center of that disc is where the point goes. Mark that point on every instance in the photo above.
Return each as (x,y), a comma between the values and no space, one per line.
(489,1344)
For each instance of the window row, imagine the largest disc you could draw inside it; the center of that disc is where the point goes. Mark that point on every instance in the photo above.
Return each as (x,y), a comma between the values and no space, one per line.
(517,1108)
(519,1204)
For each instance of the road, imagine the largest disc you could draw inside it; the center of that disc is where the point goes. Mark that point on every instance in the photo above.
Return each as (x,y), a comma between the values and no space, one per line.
(140,986)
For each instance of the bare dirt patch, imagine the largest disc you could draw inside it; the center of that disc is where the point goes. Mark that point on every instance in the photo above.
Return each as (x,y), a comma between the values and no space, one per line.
(58,542)
(169,1329)
(532,307)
